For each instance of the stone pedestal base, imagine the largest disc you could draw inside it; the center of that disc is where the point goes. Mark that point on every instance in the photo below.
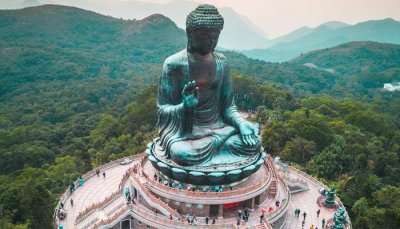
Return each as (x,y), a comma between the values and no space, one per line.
(225,173)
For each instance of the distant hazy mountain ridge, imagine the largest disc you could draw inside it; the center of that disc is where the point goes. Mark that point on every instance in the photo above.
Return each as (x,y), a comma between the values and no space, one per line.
(52,42)
(66,43)
(327,35)
(239,32)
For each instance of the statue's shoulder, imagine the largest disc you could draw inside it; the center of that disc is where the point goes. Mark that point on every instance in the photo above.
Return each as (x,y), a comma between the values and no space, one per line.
(176,60)
(220,56)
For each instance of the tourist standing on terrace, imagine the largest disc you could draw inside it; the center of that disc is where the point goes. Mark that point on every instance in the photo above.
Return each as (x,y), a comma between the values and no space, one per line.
(261,217)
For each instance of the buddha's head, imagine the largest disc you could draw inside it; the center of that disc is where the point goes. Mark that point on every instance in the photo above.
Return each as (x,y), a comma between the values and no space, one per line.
(203,26)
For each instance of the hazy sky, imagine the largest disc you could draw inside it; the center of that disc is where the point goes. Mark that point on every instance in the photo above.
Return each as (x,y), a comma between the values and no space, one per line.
(277,17)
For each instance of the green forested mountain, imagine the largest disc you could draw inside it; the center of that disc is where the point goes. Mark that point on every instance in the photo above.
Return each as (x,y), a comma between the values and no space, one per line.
(361,69)
(69,80)
(63,65)
(65,43)
(329,35)
(354,57)
(77,88)
(355,69)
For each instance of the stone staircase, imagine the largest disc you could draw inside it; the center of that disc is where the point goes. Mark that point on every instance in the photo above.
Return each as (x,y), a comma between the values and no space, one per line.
(263,226)
(273,189)
(274,183)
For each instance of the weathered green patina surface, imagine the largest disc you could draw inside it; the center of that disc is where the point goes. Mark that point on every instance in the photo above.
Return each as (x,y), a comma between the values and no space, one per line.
(330,200)
(340,219)
(202,137)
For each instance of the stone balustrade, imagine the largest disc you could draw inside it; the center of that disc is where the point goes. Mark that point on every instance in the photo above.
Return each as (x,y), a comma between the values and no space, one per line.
(151,197)
(88,175)
(319,183)
(196,194)
(92,208)
(198,197)
(102,204)
(143,214)
(282,209)
(111,219)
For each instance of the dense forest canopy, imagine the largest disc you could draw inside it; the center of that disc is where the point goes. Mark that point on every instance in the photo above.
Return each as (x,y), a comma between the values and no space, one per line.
(78,89)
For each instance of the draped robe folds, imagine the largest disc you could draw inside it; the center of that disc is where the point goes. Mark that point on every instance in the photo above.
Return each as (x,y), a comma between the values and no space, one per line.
(207,134)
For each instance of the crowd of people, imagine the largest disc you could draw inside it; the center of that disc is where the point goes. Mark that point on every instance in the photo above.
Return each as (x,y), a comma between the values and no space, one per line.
(297,213)
(243,216)
(193,220)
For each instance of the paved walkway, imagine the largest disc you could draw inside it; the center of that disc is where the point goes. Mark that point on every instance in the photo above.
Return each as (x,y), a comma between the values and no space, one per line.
(94,190)
(307,202)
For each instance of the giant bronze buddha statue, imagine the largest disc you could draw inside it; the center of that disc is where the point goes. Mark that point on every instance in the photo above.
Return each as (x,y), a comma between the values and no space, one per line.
(202,137)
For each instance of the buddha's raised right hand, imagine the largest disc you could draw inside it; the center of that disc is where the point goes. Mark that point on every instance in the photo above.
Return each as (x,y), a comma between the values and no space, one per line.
(190,95)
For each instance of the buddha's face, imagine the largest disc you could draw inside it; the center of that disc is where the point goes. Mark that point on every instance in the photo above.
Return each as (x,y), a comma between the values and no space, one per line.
(203,40)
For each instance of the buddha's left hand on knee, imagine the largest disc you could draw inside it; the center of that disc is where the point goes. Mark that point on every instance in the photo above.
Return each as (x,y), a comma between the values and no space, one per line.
(249,133)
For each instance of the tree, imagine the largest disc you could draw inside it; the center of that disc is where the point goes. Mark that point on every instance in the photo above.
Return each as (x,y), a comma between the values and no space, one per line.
(382,211)
(5,223)
(274,137)
(298,150)
(40,203)
(358,186)
(369,121)
(62,173)
(313,127)
(332,161)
